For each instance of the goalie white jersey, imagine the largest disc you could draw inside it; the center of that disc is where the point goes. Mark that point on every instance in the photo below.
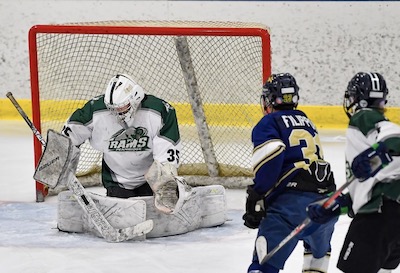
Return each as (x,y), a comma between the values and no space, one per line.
(128,151)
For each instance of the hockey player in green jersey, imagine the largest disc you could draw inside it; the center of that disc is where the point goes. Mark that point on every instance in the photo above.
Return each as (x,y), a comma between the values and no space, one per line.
(372,243)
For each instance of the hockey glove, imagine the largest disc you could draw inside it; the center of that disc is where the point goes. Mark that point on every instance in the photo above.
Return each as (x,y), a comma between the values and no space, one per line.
(254,208)
(319,214)
(370,161)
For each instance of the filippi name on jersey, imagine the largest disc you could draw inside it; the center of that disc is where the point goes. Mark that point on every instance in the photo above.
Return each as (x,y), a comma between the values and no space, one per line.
(296,121)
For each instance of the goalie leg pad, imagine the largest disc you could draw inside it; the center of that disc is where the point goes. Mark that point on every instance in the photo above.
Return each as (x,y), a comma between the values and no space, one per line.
(69,213)
(205,207)
(120,213)
(213,205)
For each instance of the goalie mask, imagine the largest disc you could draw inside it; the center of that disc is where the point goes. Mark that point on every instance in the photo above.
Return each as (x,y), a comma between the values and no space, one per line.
(279,92)
(123,97)
(365,90)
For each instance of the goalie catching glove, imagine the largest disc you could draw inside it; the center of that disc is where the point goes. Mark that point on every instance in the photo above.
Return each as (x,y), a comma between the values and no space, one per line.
(170,190)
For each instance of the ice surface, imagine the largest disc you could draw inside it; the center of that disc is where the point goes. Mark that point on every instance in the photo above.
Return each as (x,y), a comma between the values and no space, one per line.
(31,243)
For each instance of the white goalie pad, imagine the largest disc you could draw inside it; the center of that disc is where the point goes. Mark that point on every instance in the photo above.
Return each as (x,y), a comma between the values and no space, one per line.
(205,207)
(58,162)
(120,213)
(170,190)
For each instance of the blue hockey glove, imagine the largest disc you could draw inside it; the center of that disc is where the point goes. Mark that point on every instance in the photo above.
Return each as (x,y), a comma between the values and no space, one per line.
(319,214)
(370,161)
(254,208)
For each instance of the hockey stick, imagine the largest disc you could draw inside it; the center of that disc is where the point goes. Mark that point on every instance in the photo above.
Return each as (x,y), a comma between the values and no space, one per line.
(108,232)
(370,153)
(40,195)
(26,118)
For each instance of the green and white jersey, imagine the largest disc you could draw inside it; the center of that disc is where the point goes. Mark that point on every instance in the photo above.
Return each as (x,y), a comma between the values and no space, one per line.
(152,134)
(367,127)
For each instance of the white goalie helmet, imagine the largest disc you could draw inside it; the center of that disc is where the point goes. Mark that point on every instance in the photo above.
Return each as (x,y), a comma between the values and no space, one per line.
(123,97)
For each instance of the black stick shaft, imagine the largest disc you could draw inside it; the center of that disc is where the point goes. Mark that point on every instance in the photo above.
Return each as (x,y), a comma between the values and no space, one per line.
(26,118)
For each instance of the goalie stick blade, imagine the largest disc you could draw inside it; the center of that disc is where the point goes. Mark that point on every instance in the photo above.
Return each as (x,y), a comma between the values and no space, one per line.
(135,231)
(261,247)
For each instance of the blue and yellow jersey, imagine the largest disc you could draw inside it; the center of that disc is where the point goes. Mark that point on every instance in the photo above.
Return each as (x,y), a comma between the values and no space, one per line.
(284,141)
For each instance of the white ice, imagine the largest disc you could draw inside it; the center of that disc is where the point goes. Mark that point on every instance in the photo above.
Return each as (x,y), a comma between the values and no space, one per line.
(31,243)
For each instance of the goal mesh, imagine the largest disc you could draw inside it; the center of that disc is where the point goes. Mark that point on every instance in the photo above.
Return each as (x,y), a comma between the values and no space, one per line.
(72,63)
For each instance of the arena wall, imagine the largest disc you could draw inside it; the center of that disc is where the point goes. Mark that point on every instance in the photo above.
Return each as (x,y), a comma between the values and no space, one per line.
(322,43)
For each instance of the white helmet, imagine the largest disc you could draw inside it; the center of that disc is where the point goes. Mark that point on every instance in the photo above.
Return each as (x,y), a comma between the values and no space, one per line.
(123,96)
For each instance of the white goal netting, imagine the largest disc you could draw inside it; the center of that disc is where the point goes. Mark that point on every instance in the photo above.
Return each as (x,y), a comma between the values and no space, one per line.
(229,61)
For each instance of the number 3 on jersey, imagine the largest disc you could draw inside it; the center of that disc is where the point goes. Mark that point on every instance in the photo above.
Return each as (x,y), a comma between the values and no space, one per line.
(173,155)
(311,150)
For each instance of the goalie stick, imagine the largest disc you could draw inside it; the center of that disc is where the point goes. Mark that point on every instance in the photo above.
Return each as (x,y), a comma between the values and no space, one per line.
(261,241)
(108,232)
(40,194)
(26,118)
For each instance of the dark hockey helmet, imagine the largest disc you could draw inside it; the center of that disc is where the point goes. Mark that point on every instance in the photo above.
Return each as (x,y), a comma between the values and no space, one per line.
(280,91)
(365,90)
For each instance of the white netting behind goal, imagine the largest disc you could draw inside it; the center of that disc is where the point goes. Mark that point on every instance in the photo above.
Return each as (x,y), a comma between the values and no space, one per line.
(72,63)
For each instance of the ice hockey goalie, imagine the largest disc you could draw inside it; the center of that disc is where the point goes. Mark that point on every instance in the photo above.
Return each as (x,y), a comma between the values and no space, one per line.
(175,207)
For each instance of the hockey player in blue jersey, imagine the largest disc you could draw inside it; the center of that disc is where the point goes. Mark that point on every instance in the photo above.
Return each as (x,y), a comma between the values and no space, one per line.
(289,174)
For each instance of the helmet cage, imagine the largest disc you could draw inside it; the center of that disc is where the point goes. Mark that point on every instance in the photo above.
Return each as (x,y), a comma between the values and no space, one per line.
(123,97)
(123,111)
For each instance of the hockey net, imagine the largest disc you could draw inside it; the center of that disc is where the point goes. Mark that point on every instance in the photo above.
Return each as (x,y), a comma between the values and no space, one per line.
(211,72)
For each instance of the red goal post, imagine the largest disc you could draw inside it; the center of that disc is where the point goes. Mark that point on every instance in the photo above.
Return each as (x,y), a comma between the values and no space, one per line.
(211,72)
